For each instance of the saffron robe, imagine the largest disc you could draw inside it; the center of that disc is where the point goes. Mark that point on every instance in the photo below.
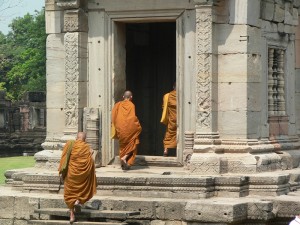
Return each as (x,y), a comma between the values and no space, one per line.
(128,129)
(80,182)
(171,130)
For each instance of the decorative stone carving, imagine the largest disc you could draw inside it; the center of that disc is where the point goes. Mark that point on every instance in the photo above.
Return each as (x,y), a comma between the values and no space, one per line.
(72,76)
(68,4)
(276,93)
(188,149)
(75,20)
(204,64)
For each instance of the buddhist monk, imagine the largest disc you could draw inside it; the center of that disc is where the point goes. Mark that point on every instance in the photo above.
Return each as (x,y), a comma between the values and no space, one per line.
(128,129)
(170,120)
(80,179)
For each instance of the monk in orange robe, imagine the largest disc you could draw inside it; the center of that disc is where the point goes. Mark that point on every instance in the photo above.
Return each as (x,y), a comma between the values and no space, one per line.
(80,181)
(169,118)
(127,128)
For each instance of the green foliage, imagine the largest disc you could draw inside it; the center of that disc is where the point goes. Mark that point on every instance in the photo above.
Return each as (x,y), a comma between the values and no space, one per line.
(8,163)
(23,56)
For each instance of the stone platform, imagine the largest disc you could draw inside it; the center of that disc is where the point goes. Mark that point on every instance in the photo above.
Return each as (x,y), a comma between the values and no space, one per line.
(162,195)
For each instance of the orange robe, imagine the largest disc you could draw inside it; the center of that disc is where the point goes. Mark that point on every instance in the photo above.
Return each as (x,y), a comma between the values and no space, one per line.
(170,135)
(128,129)
(80,182)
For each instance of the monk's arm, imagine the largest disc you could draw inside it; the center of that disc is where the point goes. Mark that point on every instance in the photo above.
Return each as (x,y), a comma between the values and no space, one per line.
(63,154)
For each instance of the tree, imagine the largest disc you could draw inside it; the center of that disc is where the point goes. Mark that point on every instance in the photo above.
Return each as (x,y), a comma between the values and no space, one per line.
(23,56)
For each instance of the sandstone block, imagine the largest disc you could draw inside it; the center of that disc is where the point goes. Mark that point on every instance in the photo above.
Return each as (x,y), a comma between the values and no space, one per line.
(239,124)
(7,207)
(55,46)
(279,13)
(215,211)
(51,5)
(288,15)
(239,96)
(297,78)
(289,29)
(260,210)
(295,17)
(7,221)
(55,128)
(75,21)
(205,163)
(240,12)
(21,208)
(239,68)
(54,22)
(20,222)
(170,210)
(55,97)
(267,10)
(55,70)
(280,27)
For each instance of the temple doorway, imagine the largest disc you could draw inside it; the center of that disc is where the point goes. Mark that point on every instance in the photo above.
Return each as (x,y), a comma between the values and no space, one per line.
(150,73)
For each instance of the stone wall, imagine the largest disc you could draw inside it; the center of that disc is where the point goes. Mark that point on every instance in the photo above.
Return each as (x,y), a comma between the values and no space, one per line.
(22,124)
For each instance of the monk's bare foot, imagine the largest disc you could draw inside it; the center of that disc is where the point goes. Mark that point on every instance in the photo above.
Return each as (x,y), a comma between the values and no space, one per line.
(166,152)
(72,217)
(77,206)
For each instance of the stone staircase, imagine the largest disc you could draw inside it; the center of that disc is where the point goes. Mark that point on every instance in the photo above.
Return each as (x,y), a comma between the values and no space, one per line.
(59,216)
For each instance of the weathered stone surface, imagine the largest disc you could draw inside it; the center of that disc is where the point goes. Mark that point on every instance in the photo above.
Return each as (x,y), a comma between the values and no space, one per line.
(7,221)
(215,212)
(21,208)
(170,210)
(239,96)
(279,13)
(244,69)
(244,12)
(55,49)
(54,22)
(51,5)
(7,207)
(267,10)
(75,21)
(20,222)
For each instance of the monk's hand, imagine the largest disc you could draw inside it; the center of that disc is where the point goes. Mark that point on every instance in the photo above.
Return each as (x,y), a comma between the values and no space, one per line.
(92,151)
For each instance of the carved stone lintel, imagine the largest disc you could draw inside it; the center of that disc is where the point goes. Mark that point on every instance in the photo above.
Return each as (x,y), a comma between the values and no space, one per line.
(68,4)
(205,2)
(72,4)
(75,21)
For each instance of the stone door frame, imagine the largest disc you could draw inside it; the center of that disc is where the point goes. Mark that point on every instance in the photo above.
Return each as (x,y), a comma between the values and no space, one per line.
(114,54)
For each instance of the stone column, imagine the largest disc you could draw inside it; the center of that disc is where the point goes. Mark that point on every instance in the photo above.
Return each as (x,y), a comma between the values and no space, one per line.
(66,26)
(75,42)
(204,159)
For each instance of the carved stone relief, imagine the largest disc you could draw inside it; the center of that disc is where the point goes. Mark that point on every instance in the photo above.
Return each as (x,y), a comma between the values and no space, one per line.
(68,4)
(204,64)
(72,76)
(75,20)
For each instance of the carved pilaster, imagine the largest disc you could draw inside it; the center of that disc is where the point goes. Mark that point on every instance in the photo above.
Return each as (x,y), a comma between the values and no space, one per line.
(71,83)
(206,139)
(204,67)
(75,21)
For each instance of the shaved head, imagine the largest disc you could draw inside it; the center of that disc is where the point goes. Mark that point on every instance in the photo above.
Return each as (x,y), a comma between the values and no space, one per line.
(127,95)
(81,136)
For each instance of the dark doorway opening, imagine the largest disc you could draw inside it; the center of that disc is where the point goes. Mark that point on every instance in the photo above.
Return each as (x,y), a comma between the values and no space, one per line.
(150,73)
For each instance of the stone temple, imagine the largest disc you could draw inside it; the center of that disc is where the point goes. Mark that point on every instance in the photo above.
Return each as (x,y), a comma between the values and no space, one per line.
(236,64)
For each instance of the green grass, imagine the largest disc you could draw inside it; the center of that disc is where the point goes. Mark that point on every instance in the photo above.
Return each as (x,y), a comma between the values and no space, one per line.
(18,162)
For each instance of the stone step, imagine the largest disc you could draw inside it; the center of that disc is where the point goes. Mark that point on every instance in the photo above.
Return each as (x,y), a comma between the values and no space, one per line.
(64,222)
(89,213)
